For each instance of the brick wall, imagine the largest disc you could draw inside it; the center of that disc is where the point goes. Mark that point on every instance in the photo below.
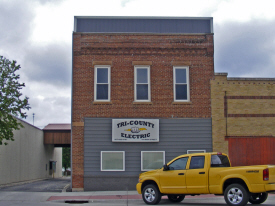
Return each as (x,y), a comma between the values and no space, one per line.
(241,108)
(122,52)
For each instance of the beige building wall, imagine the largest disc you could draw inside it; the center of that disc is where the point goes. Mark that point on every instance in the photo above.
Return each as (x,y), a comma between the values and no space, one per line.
(27,158)
(241,107)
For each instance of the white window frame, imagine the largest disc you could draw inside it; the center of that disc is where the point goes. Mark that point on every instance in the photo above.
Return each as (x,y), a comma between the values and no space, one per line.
(112,170)
(141,166)
(96,67)
(196,151)
(149,83)
(187,83)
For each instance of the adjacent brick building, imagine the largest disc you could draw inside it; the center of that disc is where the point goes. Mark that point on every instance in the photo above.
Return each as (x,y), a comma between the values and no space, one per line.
(140,96)
(243,119)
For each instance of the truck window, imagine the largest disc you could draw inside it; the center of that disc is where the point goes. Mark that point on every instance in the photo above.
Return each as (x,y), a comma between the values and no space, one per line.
(197,162)
(219,161)
(179,164)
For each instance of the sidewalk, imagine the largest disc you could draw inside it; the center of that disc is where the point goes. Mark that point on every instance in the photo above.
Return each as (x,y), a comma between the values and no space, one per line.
(106,198)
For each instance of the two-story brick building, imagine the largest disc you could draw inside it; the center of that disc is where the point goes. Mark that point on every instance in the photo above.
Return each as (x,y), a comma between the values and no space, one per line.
(140,96)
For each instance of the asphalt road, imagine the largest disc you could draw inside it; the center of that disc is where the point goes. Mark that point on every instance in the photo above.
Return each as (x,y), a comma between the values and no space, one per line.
(49,185)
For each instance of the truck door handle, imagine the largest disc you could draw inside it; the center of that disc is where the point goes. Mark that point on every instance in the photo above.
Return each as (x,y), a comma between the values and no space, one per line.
(181,174)
(201,173)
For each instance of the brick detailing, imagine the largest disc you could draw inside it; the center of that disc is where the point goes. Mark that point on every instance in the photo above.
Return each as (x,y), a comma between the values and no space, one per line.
(227,137)
(250,97)
(142,63)
(246,97)
(251,115)
(102,63)
(180,63)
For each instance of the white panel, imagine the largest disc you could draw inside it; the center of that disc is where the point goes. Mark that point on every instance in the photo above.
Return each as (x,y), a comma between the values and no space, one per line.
(135,130)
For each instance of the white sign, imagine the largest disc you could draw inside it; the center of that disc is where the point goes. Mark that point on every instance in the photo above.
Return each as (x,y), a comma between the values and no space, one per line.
(135,130)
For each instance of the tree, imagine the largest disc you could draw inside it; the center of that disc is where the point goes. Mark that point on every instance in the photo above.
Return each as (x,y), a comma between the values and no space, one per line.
(11,105)
(66,157)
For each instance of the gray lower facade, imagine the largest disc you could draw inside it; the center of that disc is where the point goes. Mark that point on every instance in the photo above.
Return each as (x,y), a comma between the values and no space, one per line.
(176,137)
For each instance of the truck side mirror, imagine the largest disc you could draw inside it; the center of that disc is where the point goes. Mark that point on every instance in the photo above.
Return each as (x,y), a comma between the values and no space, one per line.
(165,167)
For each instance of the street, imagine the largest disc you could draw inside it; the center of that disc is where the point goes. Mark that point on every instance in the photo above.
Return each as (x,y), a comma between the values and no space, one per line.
(51,192)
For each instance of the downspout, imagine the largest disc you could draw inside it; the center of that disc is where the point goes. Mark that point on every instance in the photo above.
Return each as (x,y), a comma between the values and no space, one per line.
(226,112)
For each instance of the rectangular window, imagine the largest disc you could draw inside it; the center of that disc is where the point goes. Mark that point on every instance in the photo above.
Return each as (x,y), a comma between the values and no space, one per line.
(102,83)
(195,151)
(197,162)
(151,160)
(112,161)
(179,164)
(181,83)
(142,84)
(219,161)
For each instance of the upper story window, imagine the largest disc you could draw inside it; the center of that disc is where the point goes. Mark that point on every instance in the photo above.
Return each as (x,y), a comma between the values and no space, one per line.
(102,83)
(181,84)
(142,84)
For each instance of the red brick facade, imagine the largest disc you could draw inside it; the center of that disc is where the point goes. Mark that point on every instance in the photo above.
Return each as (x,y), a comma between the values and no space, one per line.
(122,52)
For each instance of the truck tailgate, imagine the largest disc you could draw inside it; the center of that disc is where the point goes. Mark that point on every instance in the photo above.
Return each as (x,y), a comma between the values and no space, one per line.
(271,169)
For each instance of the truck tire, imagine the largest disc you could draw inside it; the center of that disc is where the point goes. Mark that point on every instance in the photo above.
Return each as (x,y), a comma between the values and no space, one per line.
(151,195)
(258,198)
(236,195)
(176,198)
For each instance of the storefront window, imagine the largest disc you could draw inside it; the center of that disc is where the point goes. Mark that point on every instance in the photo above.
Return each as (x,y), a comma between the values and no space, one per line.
(112,161)
(151,160)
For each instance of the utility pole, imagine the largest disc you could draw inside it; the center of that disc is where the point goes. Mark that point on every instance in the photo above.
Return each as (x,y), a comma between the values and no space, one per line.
(33,118)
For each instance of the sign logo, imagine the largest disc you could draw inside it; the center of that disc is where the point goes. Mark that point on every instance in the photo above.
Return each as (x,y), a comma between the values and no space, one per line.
(135,130)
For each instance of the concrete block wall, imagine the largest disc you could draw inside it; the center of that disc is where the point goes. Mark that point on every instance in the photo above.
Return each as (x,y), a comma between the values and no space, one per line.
(26,158)
(122,52)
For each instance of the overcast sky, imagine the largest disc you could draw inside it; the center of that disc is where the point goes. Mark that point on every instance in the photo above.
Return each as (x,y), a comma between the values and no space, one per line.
(38,35)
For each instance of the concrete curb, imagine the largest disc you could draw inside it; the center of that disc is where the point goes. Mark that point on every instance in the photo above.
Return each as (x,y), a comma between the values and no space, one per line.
(65,188)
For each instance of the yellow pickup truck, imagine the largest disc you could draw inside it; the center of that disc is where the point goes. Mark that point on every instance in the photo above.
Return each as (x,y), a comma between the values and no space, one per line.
(207,173)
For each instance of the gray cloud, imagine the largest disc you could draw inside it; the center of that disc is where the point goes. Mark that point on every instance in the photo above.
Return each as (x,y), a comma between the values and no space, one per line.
(40,65)
(49,64)
(124,2)
(15,24)
(49,1)
(50,110)
(245,49)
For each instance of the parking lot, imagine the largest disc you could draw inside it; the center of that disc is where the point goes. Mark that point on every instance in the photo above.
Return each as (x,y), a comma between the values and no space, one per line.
(47,185)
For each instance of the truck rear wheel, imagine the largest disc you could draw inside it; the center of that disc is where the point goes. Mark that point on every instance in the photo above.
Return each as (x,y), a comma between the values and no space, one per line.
(258,198)
(176,198)
(236,195)
(151,195)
